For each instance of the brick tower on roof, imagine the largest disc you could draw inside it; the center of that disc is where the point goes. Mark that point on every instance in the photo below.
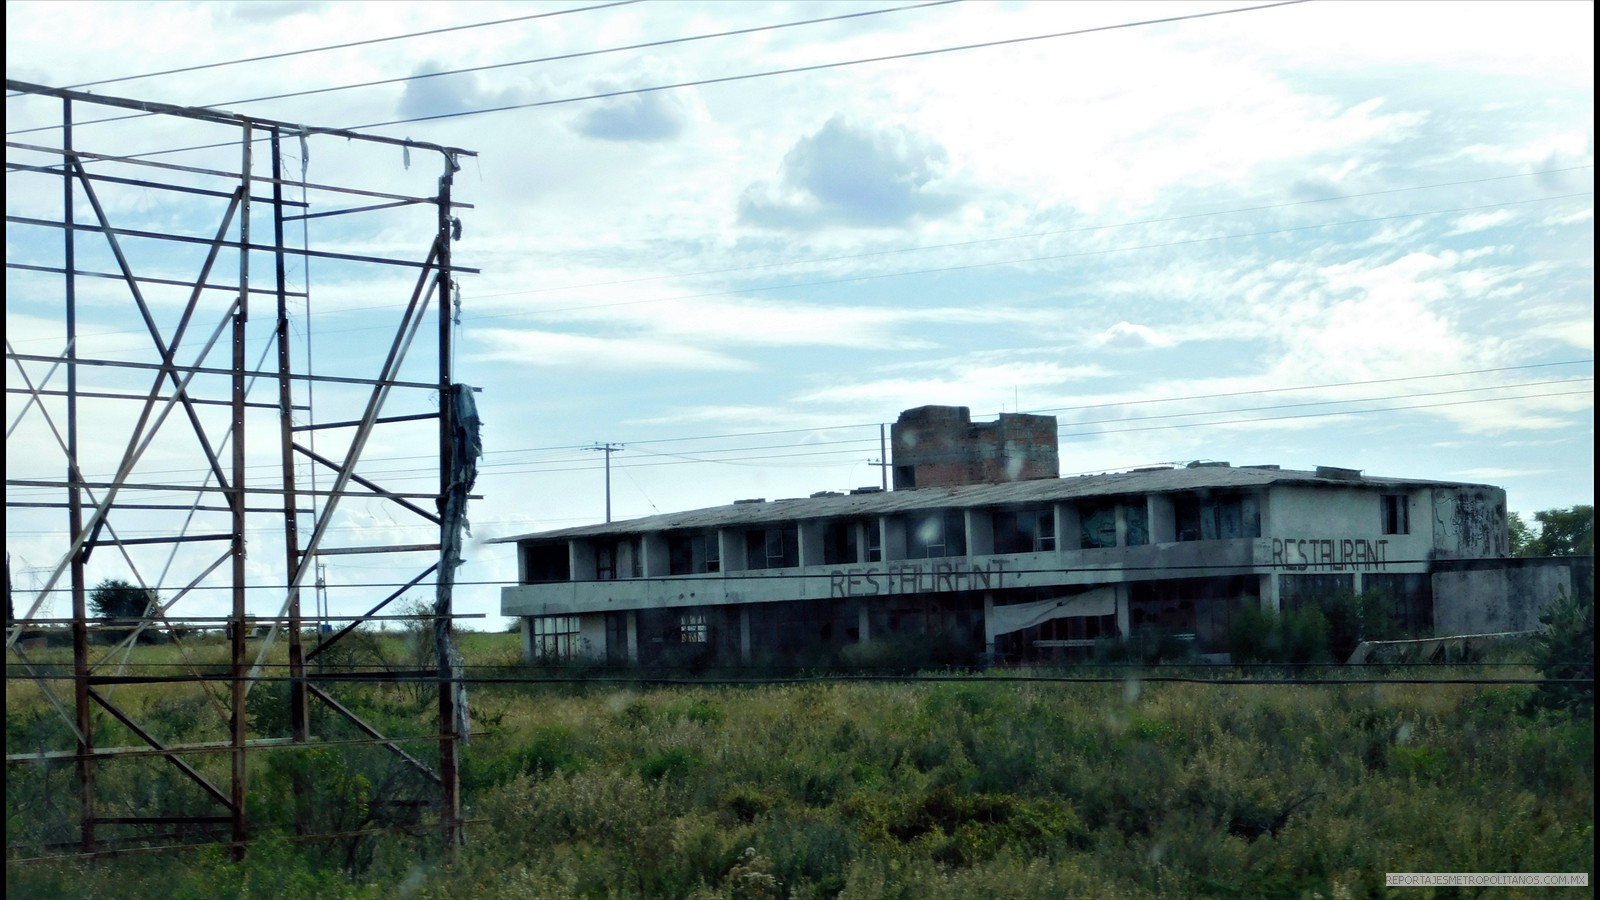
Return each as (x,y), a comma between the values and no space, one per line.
(940,446)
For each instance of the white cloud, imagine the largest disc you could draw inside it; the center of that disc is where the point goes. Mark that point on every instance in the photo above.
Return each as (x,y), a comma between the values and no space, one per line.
(584,353)
(1473,222)
(1129,336)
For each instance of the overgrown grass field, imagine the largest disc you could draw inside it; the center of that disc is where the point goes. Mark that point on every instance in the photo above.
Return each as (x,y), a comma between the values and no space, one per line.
(975,787)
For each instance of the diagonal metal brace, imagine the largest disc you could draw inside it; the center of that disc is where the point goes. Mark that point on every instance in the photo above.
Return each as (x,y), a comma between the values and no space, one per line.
(145,736)
(371,732)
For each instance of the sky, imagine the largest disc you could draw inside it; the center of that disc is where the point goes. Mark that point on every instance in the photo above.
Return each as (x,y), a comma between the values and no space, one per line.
(1325,233)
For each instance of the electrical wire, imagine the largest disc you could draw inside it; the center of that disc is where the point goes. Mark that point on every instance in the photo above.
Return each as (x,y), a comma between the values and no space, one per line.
(1017,237)
(833,65)
(347,45)
(765,74)
(867,443)
(506,65)
(1053,257)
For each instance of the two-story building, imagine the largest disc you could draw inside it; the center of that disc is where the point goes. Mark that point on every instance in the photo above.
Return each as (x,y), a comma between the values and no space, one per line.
(995,553)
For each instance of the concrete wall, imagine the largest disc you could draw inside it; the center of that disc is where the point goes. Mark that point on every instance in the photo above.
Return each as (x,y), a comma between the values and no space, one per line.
(1326,530)
(1469,523)
(1483,597)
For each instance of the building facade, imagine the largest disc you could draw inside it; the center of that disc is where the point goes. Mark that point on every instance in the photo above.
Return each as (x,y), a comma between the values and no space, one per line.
(1039,568)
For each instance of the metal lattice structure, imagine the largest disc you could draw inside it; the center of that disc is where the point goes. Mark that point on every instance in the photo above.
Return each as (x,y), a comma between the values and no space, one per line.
(172,425)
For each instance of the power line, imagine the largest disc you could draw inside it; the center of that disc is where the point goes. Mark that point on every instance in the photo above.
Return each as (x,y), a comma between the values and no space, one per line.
(864,443)
(362,43)
(1036,234)
(834,65)
(1334,413)
(1083,229)
(524,62)
(682,459)
(766,74)
(1054,257)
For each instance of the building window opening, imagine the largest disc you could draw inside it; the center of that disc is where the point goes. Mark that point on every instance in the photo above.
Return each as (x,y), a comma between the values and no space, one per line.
(1396,518)
(555,637)
(546,563)
(840,543)
(618,559)
(692,628)
(616,637)
(773,548)
(1024,531)
(937,534)
(693,554)
(874,542)
(1204,518)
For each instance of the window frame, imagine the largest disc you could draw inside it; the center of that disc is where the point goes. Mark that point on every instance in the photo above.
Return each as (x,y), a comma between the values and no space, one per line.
(555,638)
(1394,514)
(694,628)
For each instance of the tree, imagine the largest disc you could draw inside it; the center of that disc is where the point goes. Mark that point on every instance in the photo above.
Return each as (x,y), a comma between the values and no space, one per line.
(117,599)
(1521,534)
(1555,532)
(1566,650)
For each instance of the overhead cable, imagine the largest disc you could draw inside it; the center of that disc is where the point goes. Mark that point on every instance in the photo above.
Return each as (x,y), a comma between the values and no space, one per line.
(523,62)
(1051,257)
(344,46)
(767,74)
(1034,234)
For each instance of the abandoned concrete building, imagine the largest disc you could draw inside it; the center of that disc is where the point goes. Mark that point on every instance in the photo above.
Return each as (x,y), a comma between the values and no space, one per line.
(983,544)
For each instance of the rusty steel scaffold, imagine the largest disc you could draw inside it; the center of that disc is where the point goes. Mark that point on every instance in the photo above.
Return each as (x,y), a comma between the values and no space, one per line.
(167,432)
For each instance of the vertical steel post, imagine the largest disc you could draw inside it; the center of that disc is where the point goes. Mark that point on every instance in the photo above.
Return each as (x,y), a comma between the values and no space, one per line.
(883,457)
(80,610)
(239,724)
(299,716)
(449,762)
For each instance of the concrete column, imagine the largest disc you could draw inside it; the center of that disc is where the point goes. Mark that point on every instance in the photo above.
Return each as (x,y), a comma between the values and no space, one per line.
(1069,528)
(980,532)
(988,627)
(811,542)
(657,558)
(633,636)
(1122,524)
(1124,617)
(581,560)
(525,625)
(1161,522)
(894,537)
(731,543)
(744,634)
(863,623)
(1270,598)
(592,636)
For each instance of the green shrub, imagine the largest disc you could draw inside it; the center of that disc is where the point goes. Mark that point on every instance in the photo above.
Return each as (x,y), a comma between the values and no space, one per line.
(1566,650)
(673,762)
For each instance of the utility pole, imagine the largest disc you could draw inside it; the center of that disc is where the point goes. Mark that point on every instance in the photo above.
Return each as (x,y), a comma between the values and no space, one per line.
(882,462)
(608,449)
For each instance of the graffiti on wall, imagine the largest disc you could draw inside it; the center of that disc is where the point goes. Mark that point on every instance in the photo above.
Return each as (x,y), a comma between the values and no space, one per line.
(918,577)
(1330,554)
(1474,521)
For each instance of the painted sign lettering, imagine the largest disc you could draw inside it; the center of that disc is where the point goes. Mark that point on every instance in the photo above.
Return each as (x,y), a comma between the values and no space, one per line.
(917,577)
(1330,554)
